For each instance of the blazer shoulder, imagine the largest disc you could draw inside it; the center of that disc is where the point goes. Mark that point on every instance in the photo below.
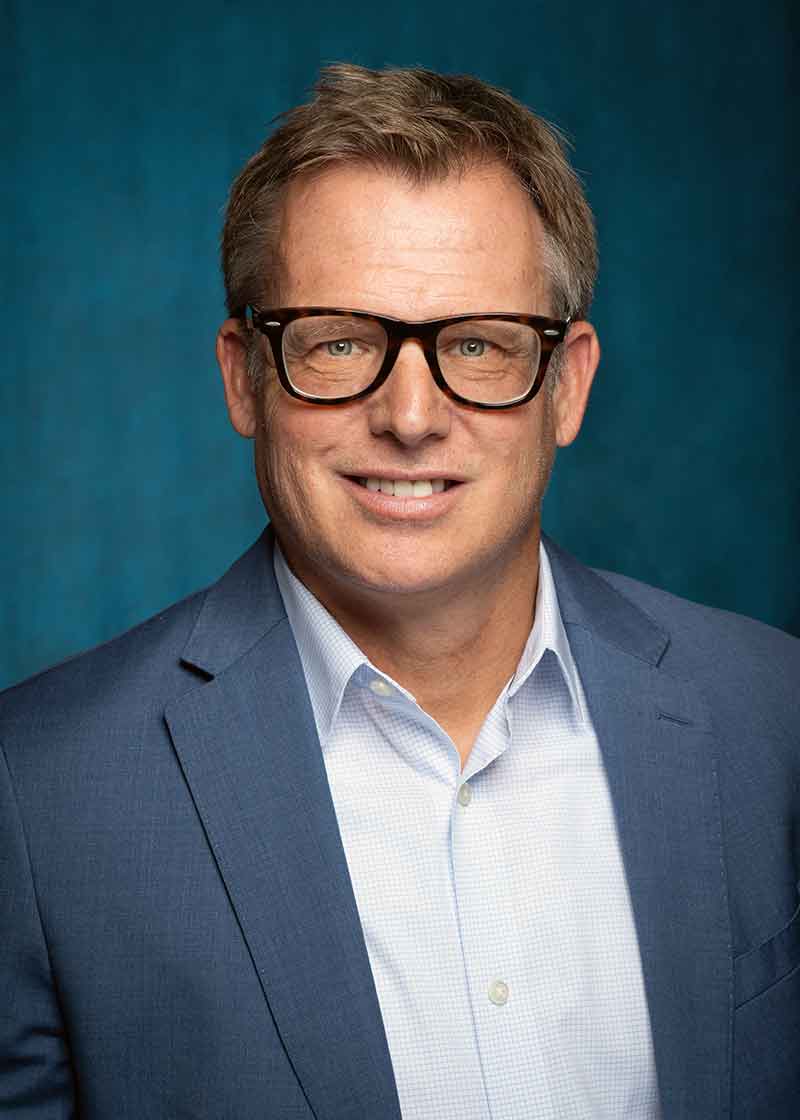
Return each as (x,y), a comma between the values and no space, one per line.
(135,670)
(103,701)
(738,662)
(699,624)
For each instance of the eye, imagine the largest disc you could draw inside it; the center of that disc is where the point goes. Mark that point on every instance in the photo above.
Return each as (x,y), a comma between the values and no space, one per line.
(341,347)
(472,347)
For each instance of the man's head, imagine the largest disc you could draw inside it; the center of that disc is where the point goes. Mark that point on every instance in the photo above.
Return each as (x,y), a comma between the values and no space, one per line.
(414,196)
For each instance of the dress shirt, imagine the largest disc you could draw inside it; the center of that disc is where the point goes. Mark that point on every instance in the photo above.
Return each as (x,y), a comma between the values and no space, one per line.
(493,901)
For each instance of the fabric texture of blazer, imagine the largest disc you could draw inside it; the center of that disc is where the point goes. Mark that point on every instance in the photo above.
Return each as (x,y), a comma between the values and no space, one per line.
(178,932)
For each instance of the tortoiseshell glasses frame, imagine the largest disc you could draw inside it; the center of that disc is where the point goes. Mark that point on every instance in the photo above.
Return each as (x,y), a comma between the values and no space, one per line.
(273,323)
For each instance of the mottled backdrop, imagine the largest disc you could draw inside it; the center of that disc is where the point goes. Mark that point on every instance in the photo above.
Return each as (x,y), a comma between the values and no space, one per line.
(123,124)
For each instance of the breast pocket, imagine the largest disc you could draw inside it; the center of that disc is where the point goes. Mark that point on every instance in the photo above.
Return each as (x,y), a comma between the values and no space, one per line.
(767,964)
(766,1028)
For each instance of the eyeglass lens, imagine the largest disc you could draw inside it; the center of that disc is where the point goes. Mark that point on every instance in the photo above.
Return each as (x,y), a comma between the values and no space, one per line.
(488,361)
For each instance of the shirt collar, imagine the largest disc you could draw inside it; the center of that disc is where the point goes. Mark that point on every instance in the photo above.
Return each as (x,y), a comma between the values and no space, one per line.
(330,657)
(546,633)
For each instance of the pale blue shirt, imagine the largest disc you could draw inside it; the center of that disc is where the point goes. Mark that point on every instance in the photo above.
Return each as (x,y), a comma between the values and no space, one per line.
(494,902)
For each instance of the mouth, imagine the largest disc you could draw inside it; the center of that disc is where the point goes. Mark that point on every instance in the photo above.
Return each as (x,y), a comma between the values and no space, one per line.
(404,501)
(405,487)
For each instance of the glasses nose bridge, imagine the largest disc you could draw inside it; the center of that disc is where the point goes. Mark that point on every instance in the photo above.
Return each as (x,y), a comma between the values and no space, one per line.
(422,333)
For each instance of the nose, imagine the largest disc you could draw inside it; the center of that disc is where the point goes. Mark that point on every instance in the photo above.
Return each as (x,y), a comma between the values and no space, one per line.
(410,405)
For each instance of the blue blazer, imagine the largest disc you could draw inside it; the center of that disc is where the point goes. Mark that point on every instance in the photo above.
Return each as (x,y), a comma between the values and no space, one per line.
(178,932)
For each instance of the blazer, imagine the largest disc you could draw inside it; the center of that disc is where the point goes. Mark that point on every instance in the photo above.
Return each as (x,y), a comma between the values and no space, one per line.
(179,937)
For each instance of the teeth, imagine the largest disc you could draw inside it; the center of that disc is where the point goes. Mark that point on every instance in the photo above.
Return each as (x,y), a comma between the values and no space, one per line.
(402,488)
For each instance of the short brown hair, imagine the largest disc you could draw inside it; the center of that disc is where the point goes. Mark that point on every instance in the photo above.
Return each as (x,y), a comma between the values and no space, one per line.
(424,126)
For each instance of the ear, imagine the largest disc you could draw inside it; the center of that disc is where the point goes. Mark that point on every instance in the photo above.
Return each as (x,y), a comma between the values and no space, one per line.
(582,354)
(240,397)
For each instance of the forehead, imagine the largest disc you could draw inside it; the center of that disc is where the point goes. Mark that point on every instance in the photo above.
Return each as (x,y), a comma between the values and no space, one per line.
(362,237)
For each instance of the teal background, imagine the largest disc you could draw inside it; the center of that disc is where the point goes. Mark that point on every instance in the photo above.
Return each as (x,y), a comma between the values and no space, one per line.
(122,127)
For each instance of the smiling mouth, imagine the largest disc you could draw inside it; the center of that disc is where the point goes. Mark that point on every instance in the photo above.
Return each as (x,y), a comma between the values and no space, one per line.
(405,488)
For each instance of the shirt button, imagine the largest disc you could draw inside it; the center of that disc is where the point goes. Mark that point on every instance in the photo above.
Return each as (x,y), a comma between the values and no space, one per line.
(498,992)
(464,794)
(380,687)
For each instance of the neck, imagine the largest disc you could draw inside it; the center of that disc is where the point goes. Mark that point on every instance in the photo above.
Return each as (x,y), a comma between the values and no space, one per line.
(453,650)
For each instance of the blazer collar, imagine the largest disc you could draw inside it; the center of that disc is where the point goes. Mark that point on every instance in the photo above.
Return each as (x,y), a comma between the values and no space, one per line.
(591,603)
(237,611)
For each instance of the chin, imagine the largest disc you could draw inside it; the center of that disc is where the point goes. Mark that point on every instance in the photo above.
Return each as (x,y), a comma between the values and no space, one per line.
(396,579)
(412,573)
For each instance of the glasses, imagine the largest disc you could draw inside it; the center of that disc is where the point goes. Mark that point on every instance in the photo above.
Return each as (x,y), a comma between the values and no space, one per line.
(329,355)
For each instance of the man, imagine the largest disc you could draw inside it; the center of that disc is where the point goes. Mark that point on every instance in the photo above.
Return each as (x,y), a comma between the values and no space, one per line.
(411,813)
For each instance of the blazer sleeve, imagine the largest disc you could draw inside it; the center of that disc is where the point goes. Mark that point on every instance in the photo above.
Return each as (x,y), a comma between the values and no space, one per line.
(36,1081)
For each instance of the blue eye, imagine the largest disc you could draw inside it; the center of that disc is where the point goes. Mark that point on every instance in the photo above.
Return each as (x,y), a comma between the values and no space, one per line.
(472,347)
(341,347)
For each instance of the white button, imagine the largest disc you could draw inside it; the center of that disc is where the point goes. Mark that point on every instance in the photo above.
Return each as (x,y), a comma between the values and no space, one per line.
(498,992)
(464,794)
(380,687)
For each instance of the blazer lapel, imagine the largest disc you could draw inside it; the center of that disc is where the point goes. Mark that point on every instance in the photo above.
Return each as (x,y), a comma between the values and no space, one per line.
(248,746)
(659,754)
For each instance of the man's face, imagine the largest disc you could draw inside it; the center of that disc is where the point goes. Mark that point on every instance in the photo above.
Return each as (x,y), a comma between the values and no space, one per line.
(355,237)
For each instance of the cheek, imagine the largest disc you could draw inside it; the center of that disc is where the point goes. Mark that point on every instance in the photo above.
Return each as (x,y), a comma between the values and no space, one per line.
(281,481)
(277,467)
(290,445)
(525,457)
(525,446)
